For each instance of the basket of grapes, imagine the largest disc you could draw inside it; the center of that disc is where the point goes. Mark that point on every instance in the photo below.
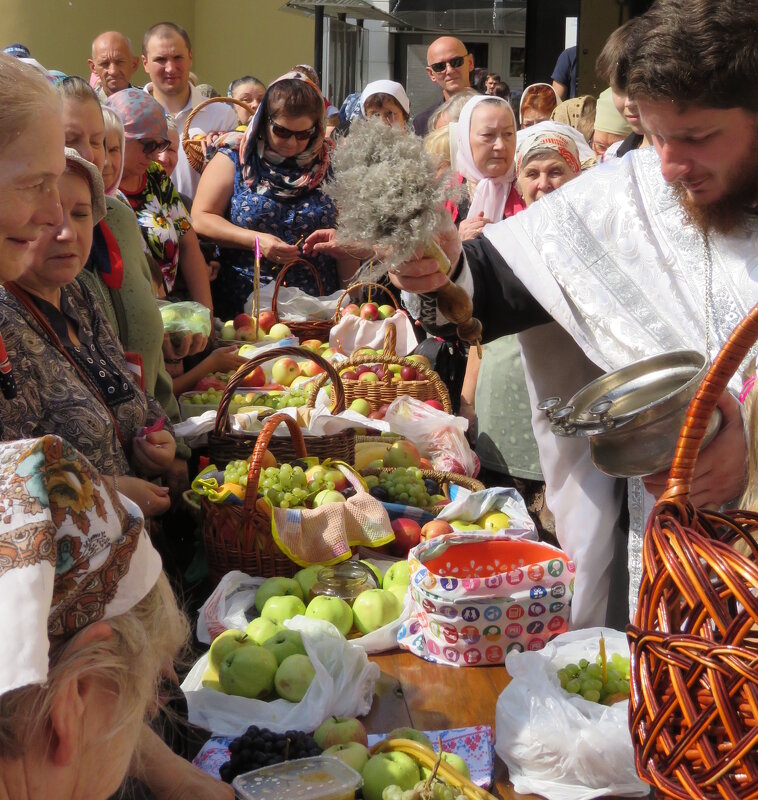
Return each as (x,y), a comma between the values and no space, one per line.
(307,329)
(225,444)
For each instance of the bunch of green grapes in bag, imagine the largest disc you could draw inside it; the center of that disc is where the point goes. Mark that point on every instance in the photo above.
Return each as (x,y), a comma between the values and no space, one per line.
(438,790)
(595,684)
(286,486)
(404,485)
(236,472)
(294,398)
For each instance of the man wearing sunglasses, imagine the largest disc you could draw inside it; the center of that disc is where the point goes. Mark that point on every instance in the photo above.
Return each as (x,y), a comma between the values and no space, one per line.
(449,65)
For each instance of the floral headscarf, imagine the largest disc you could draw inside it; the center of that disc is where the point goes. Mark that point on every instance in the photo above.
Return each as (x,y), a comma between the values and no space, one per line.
(143,117)
(491,194)
(267,172)
(552,142)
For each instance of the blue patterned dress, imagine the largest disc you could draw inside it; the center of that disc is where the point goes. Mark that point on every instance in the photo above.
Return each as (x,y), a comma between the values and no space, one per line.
(288,219)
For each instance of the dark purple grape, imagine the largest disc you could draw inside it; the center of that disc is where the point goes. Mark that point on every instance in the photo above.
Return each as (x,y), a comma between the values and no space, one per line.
(380,493)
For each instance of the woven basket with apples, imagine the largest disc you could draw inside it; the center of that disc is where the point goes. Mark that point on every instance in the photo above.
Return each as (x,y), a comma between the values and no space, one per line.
(308,329)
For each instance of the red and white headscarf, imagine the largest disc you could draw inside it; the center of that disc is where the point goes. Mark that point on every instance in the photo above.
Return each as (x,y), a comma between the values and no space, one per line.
(550,142)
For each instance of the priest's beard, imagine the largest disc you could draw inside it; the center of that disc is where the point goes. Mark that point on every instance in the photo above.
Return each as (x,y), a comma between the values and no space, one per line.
(726,213)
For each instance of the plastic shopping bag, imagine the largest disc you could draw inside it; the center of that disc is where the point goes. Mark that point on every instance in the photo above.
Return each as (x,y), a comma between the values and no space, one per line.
(343,686)
(352,332)
(558,745)
(226,606)
(439,436)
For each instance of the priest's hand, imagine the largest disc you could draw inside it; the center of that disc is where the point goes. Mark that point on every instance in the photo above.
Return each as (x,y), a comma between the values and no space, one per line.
(721,468)
(422,275)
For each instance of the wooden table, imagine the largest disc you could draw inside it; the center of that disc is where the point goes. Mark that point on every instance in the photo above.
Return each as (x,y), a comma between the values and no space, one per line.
(429,696)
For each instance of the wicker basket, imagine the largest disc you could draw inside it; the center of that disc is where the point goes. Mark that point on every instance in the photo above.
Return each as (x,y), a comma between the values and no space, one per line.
(225,445)
(309,329)
(694,642)
(361,285)
(239,537)
(193,148)
(383,391)
(445,480)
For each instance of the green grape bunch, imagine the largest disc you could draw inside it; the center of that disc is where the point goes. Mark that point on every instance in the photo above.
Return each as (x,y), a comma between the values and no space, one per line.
(405,485)
(596,684)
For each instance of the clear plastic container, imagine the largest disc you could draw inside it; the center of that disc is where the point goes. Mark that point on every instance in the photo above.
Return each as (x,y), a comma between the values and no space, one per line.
(346,580)
(316,778)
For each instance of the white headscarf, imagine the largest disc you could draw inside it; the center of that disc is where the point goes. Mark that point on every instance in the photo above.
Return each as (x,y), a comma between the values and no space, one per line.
(391,88)
(491,194)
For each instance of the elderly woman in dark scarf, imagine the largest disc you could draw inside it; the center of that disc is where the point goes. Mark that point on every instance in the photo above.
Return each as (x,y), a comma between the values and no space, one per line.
(269,186)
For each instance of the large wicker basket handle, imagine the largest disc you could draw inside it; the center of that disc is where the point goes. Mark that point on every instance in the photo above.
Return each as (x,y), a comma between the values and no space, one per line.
(200,106)
(222,415)
(280,279)
(261,443)
(360,285)
(426,374)
(703,404)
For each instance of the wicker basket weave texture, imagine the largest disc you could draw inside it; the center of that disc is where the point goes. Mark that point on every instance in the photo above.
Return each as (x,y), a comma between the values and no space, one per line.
(307,329)
(193,148)
(694,641)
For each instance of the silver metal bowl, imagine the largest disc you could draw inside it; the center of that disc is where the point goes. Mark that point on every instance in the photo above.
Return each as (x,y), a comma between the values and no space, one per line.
(633,416)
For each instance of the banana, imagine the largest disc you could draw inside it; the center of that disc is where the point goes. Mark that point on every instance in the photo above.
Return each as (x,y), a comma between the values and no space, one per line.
(428,758)
(366,452)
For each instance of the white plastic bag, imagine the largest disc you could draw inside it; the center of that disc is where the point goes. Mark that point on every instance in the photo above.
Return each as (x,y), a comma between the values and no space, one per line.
(343,686)
(470,506)
(226,606)
(295,305)
(558,745)
(439,436)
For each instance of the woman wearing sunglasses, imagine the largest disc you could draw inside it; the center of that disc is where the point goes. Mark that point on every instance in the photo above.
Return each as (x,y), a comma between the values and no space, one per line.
(270,187)
(162,216)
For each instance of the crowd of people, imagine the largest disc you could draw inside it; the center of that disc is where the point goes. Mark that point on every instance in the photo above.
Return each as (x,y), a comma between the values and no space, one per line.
(590,232)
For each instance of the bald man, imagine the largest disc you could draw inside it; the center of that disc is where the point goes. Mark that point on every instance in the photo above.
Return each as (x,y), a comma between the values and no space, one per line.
(449,65)
(113,62)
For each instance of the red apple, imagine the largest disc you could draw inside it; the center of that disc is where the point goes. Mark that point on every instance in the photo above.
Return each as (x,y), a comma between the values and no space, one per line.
(407,534)
(408,374)
(369,311)
(312,344)
(435,528)
(435,404)
(376,414)
(242,321)
(256,378)
(310,369)
(351,309)
(349,375)
(336,477)
(359,370)
(339,730)
(266,320)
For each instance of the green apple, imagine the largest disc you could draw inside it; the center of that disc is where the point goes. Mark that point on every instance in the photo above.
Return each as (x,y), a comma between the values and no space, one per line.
(360,406)
(354,754)
(376,571)
(248,672)
(400,591)
(386,311)
(375,608)
(225,643)
(227,331)
(307,577)
(399,574)
(294,676)
(412,734)
(279,331)
(327,496)
(463,525)
(388,769)
(454,760)
(261,629)
(285,643)
(340,730)
(331,609)
(276,587)
(494,521)
(283,607)
(402,454)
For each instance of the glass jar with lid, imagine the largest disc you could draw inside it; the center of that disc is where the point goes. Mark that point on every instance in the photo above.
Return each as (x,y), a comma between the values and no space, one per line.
(346,580)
